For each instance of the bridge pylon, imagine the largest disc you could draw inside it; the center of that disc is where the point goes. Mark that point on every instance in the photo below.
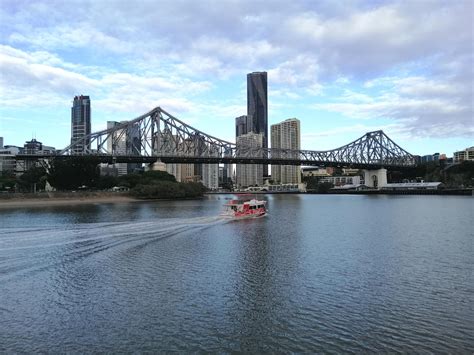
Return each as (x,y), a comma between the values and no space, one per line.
(375,179)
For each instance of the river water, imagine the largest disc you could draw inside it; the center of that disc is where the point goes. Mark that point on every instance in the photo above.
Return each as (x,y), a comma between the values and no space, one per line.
(320,273)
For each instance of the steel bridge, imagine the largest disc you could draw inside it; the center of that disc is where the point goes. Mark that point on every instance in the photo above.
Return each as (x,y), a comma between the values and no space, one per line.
(157,135)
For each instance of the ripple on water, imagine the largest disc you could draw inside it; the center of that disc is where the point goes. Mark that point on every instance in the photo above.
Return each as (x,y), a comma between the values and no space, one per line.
(304,279)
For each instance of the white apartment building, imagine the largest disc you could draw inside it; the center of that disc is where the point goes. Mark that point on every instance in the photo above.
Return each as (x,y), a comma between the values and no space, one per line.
(249,174)
(466,154)
(8,163)
(210,176)
(286,135)
(210,173)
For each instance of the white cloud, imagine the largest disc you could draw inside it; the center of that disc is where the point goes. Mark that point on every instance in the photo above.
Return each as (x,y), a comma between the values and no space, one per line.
(425,107)
(26,81)
(65,36)
(364,42)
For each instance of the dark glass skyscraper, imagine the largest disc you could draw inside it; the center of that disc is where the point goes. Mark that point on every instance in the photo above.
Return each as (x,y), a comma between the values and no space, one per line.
(240,126)
(257,107)
(80,122)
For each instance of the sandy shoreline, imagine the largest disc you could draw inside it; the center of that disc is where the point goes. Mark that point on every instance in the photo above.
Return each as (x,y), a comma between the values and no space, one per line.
(63,201)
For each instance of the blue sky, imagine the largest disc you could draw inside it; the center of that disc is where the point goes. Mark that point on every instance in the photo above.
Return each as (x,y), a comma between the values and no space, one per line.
(342,67)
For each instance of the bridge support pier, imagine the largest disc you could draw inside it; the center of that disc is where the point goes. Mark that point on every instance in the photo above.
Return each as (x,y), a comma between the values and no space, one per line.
(375,178)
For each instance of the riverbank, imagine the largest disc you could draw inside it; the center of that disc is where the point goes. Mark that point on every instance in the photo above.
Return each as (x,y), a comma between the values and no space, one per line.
(62,199)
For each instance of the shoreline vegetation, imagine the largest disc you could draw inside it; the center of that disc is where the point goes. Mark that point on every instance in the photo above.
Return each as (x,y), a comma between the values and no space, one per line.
(51,199)
(89,187)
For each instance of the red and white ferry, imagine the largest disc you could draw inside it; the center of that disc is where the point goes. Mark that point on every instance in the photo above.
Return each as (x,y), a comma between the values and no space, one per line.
(240,209)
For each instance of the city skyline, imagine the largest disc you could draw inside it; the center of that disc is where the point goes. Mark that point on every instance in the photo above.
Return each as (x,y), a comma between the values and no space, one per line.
(342,70)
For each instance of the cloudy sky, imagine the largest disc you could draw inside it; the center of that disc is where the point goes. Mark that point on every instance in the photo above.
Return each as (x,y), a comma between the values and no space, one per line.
(342,67)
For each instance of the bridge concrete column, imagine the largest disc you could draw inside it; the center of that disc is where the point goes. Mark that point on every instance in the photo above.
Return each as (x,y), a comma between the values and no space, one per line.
(158,165)
(375,178)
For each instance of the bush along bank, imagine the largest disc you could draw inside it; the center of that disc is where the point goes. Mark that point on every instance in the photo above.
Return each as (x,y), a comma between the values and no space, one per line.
(161,185)
(168,190)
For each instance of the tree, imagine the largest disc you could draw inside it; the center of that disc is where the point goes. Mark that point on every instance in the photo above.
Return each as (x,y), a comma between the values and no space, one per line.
(460,174)
(71,173)
(192,189)
(324,187)
(7,182)
(129,180)
(158,189)
(106,182)
(313,184)
(156,175)
(34,175)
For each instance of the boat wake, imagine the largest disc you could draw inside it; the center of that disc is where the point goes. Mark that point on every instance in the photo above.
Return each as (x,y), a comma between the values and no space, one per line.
(30,249)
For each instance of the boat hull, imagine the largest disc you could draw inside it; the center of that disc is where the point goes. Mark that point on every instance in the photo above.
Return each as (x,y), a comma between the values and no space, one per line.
(245,216)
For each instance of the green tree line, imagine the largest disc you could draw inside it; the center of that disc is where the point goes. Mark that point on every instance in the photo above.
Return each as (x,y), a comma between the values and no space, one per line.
(83,172)
(453,176)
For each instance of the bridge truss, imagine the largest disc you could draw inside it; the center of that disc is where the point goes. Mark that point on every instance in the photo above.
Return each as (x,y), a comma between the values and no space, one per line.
(159,135)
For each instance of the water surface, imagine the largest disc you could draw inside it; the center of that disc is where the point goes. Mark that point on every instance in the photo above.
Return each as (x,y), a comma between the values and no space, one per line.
(320,273)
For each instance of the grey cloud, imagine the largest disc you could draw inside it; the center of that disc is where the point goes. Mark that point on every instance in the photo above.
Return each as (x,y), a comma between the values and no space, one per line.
(424,107)
(303,45)
(343,38)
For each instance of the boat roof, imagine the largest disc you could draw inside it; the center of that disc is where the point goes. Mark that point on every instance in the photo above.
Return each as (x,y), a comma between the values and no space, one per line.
(242,202)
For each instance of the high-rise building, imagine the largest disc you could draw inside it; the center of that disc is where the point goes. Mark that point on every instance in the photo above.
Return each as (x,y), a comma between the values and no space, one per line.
(1,142)
(175,170)
(210,173)
(257,107)
(187,173)
(168,146)
(227,170)
(199,147)
(286,135)
(124,141)
(80,123)
(249,174)
(172,145)
(241,125)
